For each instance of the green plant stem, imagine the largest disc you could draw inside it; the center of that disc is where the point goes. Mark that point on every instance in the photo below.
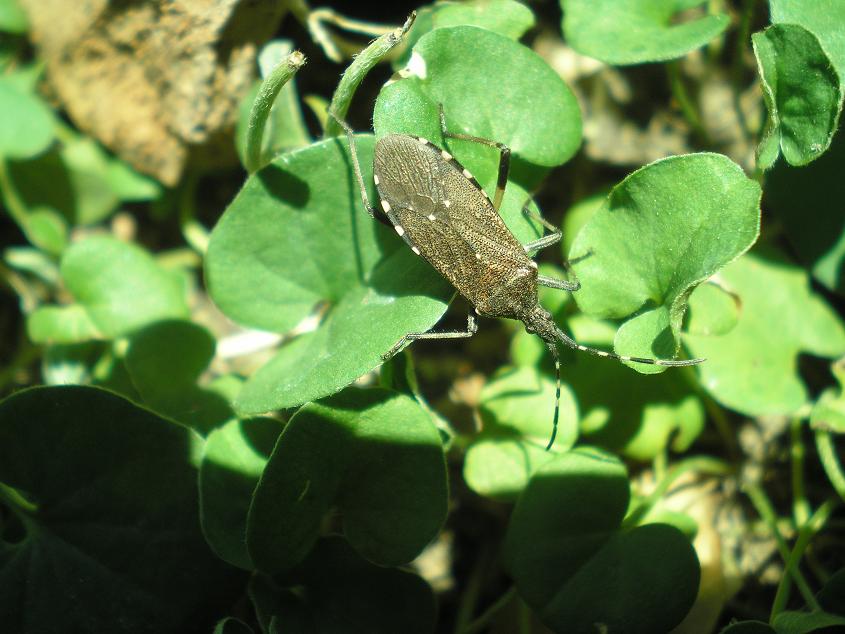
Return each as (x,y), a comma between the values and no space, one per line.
(681,95)
(800,506)
(486,619)
(696,464)
(11,199)
(830,463)
(764,509)
(742,39)
(469,597)
(808,530)
(195,234)
(264,100)
(358,69)
(16,501)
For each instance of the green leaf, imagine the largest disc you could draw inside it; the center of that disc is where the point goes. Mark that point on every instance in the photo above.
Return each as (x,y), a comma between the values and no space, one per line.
(754,368)
(108,496)
(802,94)
(27,125)
(234,458)
(829,410)
(231,625)
(806,622)
(712,310)
(823,18)
(490,87)
(578,569)
(80,181)
(517,410)
(641,416)
(12,17)
(295,240)
(748,627)
(624,32)
(120,288)
(46,229)
(373,454)
(790,192)
(662,231)
(506,17)
(335,590)
(165,360)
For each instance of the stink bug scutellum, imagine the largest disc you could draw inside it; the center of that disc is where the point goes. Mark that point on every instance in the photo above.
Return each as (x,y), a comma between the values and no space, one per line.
(443,214)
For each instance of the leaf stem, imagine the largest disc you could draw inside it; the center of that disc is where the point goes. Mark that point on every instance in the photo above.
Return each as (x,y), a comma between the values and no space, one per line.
(11,199)
(764,509)
(681,95)
(358,69)
(742,37)
(800,506)
(830,462)
(485,619)
(264,100)
(809,530)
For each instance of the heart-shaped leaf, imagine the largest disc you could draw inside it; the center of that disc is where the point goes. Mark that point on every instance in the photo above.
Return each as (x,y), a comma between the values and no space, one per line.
(27,125)
(579,569)
(374,455)
(335,590)
(295,240)
(802,94)
(118,288)
(665,229)
(754,368)
(107,501)
(635,31)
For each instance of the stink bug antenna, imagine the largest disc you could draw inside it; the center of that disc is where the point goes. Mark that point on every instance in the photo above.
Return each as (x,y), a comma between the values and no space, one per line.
(553,349)
(569,341)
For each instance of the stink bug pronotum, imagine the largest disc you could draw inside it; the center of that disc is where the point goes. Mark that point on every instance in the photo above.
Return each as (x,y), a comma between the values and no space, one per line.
(443,214)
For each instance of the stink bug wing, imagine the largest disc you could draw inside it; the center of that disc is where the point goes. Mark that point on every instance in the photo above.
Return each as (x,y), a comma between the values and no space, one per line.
(440,211)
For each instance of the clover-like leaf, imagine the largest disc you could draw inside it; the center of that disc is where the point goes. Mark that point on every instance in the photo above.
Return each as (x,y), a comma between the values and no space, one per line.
(579,569)
(165,360)
(12,17)
(754,368)
(373,454)
(802,94)
(823,18)
(296,240)
(635,31)
(506,17)
(234,458)
(490,87)
(27,126)
(665,229)
(105,494)
(517,410)
(335,590)
(118,288)
(819,186)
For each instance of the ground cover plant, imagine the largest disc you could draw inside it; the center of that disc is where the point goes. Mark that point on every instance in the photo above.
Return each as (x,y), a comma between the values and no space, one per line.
(200,428)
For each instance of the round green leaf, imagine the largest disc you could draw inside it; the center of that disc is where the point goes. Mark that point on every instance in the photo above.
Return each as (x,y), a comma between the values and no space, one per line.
(373,454)
(802,94)
(666,228)
(46,229)
(712,310)
(296,240)
(749,627)
(635,31)
(61,324)
(108,494)
(335,590)
(234,458)
(27,126)
(165,361)
(823,18)
(506,17)
(517,410)
(12,17)
(490,87)
(119,286)
(754,368)
(576,567)
(641,416)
